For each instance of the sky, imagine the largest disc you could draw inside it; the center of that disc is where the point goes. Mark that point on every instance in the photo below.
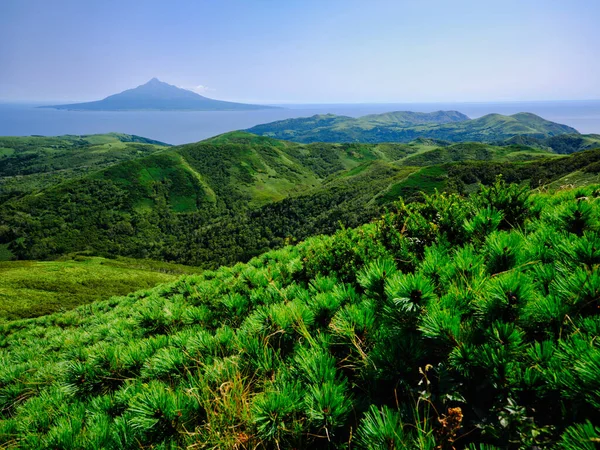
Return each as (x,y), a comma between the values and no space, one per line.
(303,51)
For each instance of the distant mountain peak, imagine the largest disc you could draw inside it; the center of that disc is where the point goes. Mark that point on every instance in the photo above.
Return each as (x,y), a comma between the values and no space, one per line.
(154,81)
(158,95)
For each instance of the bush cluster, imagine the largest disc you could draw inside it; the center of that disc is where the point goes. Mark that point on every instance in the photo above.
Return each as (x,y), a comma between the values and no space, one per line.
(450,323)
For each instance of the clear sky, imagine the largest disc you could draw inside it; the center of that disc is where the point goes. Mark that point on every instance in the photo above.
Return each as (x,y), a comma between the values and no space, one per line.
(303,51)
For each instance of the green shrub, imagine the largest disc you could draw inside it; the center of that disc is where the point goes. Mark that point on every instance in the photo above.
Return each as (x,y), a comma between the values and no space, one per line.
(405,333)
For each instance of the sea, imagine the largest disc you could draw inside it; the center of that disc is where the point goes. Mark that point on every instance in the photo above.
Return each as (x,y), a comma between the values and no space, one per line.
(179,127)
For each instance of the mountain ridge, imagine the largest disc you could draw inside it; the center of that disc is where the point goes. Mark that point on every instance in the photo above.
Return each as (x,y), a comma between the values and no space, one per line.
(30,163)
(406,126)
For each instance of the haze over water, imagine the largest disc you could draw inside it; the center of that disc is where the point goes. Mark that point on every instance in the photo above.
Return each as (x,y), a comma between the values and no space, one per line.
(179,127)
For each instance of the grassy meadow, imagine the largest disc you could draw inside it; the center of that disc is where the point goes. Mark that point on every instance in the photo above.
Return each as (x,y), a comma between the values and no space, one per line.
(35,288)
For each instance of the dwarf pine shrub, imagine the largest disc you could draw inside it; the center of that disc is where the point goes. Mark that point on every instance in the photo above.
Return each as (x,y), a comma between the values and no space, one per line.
(456,322)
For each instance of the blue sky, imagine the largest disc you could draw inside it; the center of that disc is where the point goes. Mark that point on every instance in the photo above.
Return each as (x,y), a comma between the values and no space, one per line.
(303,51)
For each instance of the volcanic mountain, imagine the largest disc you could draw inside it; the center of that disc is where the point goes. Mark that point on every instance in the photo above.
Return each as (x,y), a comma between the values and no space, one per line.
(158,95)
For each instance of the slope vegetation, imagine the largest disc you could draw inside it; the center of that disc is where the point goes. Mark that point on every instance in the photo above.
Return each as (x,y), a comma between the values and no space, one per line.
(475,151)
(147,207)
(32,163)
(33,288)
(451,323)
(235,196)
(406,126)
(563,143)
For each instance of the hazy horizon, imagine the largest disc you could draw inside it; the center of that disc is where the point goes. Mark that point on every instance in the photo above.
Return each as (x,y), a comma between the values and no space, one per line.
(303,52)
(304,104)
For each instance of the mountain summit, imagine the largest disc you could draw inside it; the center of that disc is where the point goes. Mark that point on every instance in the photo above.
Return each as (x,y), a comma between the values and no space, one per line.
(158,95)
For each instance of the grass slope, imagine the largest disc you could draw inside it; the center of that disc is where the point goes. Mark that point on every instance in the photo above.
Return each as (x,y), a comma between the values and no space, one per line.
(452,323)
(393,127)
(475,151)
(562,144)
(35,288)
(35,162)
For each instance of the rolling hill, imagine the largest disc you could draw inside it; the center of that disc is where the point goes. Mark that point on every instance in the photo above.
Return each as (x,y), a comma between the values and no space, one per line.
(476,151)
(234,196)
(563,143)
(142,206)
(407,126)
(158,95)
(36,162)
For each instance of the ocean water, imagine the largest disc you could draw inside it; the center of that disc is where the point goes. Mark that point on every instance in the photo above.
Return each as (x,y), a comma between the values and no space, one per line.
(178,127)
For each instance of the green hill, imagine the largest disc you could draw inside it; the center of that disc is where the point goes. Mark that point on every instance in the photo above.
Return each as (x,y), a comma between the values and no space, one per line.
(563,144)
(395,127)
(235,196)
(36,162)
(573,143)
(477,152)
(134,207)
(450,323)
(294,129)
(146,207)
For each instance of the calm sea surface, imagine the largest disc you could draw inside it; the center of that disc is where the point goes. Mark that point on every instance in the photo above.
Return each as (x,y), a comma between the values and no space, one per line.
(175,127)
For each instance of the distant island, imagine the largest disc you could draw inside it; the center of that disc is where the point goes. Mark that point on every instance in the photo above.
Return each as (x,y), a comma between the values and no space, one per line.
(406,126)
(157,95)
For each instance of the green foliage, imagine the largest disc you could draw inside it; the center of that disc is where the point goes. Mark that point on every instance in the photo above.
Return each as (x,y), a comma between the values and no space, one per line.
(502,251)
(409,292)
(510,200)
(483,223)
(277,413)
(405,126)
(579,217)
(374,276)
(32,163)
(410,332)
(382,429)
(581,437)
(159,414)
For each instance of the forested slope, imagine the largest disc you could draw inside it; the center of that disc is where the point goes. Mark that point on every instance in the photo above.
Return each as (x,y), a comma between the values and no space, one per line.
(403,126)
(144,206)
(31,163)
(235,196)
